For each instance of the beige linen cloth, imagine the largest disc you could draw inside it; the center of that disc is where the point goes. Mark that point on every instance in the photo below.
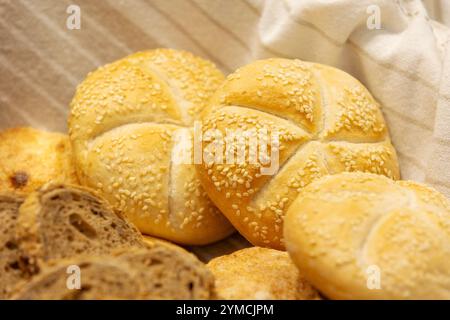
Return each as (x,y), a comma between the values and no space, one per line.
(405,63)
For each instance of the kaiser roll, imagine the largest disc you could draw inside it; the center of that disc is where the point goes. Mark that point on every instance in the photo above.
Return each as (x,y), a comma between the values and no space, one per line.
(259,273)
(327,122)
(129,122)
(363,236)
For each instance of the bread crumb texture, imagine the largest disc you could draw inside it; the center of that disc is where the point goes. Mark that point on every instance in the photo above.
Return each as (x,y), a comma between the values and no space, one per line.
(30,158)
(364,236)
(12,264)
(61,221)
(327,123)
(259,274)
(127,122)
(157,272)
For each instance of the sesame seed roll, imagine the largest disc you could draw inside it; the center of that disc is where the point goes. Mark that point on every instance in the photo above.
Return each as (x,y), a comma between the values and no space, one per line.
(363,236)
(327,123)
(128,121)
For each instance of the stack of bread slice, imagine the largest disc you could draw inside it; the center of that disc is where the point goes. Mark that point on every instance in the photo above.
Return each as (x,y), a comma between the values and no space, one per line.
(60,228)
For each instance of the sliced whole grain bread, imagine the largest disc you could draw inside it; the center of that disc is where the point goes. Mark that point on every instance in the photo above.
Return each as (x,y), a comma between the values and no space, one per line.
(61,221)
(168,272)
(9,253)
(13,266)
(156,272)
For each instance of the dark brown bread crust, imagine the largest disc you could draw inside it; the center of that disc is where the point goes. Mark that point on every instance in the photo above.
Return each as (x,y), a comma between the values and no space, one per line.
(158,272)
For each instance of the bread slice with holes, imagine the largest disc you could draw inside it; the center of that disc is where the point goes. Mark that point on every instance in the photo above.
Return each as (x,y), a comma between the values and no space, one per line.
(60,221)
(13,268)
(158,272)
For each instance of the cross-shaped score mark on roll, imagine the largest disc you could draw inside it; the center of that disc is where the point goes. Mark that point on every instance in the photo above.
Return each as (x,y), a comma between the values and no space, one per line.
(255,147)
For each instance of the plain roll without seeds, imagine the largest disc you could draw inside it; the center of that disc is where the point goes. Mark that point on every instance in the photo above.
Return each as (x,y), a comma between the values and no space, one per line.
(30,158)
(261,274)
(327,123)
(363,236)
(128,122)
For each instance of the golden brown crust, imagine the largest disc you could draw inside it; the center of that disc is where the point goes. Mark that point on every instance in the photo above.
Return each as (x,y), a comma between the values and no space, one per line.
(328,123)
(128,119)
(363,236)
(29,158)
(259,273)
(152,241)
